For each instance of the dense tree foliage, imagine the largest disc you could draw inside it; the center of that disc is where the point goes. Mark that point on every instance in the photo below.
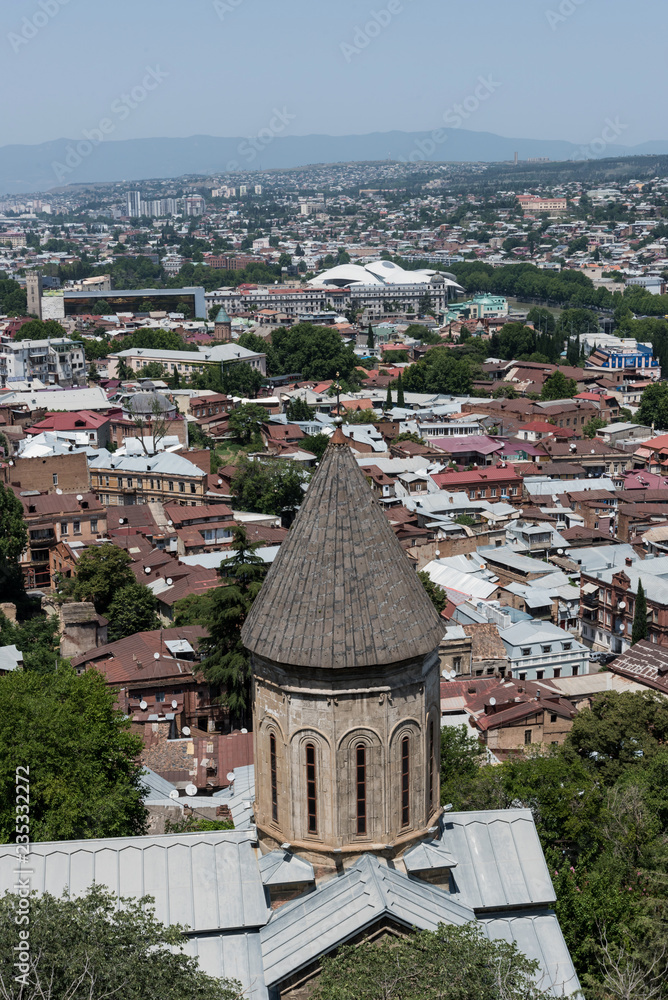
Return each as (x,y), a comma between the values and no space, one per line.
(134,608)
(13,540)
(227,663)
(101,572)
(37,637)
(441,371)
(38,329)
(88,946)
(317,352)
(653,409)
(450,963)
(242,380)
(245,421)
(436,594)
(600,804)
(557,386)
(273,487)
(85,780)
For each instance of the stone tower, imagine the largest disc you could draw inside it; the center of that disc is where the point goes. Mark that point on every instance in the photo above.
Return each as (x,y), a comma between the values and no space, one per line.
(343,643)
(34,294)
(222,328)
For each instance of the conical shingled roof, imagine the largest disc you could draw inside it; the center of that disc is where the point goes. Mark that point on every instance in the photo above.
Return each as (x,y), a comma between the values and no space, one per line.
(341,592)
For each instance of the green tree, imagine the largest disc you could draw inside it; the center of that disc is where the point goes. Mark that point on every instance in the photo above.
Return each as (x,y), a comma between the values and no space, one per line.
(93,373)
(400,391)
(653,409)
(101,308)
(371,340)
(85,779)
(134,608)
(89,946)
(450,963)
(408,436)
(38,638)
(273,487)
(593,426)
(461,756)
(441,371)
(437,595)
(245,421)
(557,386)
(388,398)
(152,370)
(227,663)
(299,410)
(195,609)
(639,630)
(101,572)
(13,540)
(418,331)
(38,329)
(315,351)
(315,443)
(242,380)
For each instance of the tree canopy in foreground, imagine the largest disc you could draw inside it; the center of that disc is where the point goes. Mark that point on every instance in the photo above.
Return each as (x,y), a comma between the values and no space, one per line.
(87,949)
(451,963)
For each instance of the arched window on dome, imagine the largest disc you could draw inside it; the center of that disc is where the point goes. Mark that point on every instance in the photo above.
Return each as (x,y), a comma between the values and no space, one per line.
(431,764)
(360,782)
(274,777)
(311,789)
(405,781)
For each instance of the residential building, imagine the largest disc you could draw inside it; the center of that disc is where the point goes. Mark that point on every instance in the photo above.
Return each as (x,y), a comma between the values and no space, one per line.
(538,650)
(187,363)
(165,477)
(608,598)
(638,361)
(80,427)
(59,361)
(498,481)
(50,519)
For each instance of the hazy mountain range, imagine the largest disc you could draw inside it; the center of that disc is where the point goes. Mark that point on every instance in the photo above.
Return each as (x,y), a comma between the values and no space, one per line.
(25,169)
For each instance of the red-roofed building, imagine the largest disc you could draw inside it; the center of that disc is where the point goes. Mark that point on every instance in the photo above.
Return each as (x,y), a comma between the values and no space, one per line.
(535,430)
(96,426)
(491,483)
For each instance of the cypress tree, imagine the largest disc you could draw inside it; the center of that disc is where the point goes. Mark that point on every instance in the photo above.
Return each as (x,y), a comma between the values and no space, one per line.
(388,398)
(370,340)
(400,391)
(639,630)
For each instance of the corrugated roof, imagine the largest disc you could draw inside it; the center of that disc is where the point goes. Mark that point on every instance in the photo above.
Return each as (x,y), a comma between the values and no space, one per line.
(500,861)
(209,881)
(539,937)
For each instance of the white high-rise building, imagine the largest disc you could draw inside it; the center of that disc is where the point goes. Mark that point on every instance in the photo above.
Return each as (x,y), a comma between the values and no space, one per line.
(134,204)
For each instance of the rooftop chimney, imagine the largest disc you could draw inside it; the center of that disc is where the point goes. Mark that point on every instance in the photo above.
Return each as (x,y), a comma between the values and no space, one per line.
(629,561)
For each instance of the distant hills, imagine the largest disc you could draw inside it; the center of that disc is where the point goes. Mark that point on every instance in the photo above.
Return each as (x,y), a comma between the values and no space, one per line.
(25,169)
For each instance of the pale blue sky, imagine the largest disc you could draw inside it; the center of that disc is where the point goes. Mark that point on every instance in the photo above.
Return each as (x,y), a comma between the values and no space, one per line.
(229,63)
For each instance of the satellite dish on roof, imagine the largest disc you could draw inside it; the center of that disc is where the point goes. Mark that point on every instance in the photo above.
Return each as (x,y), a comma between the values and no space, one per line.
(186,730)
(79,497)
(191,789)
(492,701)
(220,482)
(174,794)
(230,775)
(170,523)
(121,520)
(147,569)
(59,492)
(244,730)
(143,705)
(156,656)
(169,581)
(175,704)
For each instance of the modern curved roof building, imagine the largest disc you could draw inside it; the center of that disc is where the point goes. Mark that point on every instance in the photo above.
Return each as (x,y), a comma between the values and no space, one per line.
(380,272)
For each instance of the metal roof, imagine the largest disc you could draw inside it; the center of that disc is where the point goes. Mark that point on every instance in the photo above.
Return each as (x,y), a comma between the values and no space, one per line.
(208,881)
(338,910)
(500,862)
(232,956)
(283,868)
(539,937)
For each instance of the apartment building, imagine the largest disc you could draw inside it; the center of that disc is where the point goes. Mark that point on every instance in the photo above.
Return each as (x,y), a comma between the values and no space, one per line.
(165,478)
(54,518)
(607,603)
(54,362)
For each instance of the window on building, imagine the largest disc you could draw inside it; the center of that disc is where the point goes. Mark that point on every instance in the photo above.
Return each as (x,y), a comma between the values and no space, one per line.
(171,486)
(274,778)
(311,790)
(182,487)
(526,651)
(456,663)
(540,674)
(55,479)
(360,783)
(93,526)
(546,649)
(405,781)
(567,645)
(527,736)
(557,671)
(193,488)
(76,527)
(575,671)
(431,764)
(64,528)
(523,677)
(160,696)
(553,717)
